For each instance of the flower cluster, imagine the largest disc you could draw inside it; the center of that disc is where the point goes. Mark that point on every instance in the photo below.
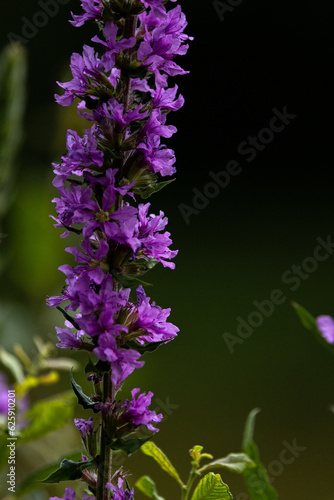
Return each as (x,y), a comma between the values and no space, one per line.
(121,87)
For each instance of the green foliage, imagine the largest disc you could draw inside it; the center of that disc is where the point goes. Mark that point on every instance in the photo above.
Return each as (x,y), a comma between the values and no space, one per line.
(34,480)
(148,192)
(257,481)
(148,487)
(69,471)
(211,487)
(129,446)
(83,400)
(13,69)
(47,416)
(309,322)
(12,364)
(236,462)
(158,455)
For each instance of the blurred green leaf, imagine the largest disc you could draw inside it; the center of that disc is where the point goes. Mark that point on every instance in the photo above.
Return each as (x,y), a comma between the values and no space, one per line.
(47,416)
(32,381)
(211,487)
(13,70)
(158,455)
(148,487)
(68,471)
(236,462)
(257,481)
(67,364)
(13,364)
(34,480)
(309,322)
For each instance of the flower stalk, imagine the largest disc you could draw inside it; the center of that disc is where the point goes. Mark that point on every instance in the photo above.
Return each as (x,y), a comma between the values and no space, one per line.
(122,91)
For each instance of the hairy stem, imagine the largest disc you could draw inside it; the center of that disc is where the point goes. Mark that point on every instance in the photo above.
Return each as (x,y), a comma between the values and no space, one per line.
(105,457)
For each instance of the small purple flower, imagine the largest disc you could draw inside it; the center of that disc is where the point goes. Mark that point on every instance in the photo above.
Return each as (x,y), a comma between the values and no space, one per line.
(112,45)
(92,10)
(152,319)
(83,69)
(84,426)
(137,412)
(69,495)
(122,361)
(67,339)
(118,492)
(325,325)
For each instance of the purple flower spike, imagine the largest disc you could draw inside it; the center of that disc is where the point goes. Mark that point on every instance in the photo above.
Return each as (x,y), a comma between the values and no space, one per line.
(325,325)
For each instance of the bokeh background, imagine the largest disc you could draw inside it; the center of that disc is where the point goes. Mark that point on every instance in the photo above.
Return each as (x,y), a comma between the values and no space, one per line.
(262,55)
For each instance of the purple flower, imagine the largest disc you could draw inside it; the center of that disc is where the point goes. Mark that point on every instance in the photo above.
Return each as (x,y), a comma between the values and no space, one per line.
(325,325)
(118,492)
(84,68)
(69,495)
(93,258)
(84,426)
(137,412)
(152,319)
(123,361)
(92,10)
(82,153)
(113,45)
(67,339)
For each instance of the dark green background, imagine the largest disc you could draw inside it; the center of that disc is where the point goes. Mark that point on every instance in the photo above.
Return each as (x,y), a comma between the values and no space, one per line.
(263,55)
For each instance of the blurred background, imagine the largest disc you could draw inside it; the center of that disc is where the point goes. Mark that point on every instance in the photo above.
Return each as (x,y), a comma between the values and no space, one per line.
(234,248)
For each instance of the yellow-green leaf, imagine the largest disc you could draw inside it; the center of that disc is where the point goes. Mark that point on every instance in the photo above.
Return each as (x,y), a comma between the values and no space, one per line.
(47,416)
(153,451)
(236,462)
(31,381)
(148,487)
(211,487)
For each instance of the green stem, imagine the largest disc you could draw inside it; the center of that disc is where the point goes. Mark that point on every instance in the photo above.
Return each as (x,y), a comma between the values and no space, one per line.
(186,488)
(105,457)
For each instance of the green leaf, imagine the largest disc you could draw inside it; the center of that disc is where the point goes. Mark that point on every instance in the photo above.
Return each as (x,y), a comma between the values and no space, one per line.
(257,481)
(129,446)
(34,480)
(83,400)
(236,462)
(68,317)
(309,322)
(47,416)
(68,471)
(211,487)
(148,487)
(148,192)
(13,364)
(61,364)
(153,451)
(142,349)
